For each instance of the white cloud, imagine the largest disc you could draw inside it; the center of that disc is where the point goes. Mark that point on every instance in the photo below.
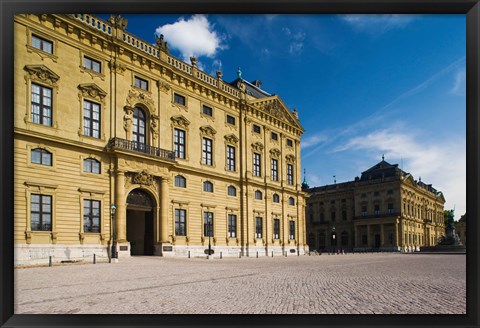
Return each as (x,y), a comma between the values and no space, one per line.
(313,140)
(377,24)
(192,37)
(459,84)
(295,46)
(441,163)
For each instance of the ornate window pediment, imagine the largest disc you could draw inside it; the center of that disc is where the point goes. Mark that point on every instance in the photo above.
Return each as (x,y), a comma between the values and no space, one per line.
(135,97)
(180,121)
(208,131)
(290,158)
(92,90)
(257,146)
(275,152)
(42,73)
(231,138)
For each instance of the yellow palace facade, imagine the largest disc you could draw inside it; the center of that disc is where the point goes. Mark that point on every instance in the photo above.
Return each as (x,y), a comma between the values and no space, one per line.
(117,140)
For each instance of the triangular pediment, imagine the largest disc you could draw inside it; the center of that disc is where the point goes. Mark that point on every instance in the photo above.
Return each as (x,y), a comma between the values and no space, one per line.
(208,130)
(440,197)
(408,179)
(180,121)
(92,90)
(42,73)
(231,138)
(275,107)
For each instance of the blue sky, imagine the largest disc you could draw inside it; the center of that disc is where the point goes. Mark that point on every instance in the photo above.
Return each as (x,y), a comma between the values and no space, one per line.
(363,85)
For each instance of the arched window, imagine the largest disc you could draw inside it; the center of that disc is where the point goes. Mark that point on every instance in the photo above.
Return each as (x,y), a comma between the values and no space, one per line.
(232,191)
(207,186)
(91,165)
(41,156)
(276,198)
(291,201)
(139,126)
(258,195)
(180,181)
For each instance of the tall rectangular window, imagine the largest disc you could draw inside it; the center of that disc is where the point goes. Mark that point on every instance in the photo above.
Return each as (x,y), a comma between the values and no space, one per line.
(257,171)
(290,174)
(207,151)
(292,230)
(232,225)
(208,224)
(230,158)
(141,83)
(390,208)
(377,210)
(92,64)
(41,105)
(40,212)
(274,169)
(258,227)
(179,143)
(91,119)
(91,215)
(276,229)
(42,44)
(180,222)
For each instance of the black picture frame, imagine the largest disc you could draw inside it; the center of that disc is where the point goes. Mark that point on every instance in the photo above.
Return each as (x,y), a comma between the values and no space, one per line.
(9,8)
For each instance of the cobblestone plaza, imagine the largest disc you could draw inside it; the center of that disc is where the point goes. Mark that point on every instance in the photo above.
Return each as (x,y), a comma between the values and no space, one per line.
(378,283)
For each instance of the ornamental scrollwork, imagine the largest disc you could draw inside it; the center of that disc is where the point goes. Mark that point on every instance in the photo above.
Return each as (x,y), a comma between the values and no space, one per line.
(257,146)
(231,138)
(208,131)
(92,90)
(42,73)
(180,121)
(143,178)
(275,152)
(290,159)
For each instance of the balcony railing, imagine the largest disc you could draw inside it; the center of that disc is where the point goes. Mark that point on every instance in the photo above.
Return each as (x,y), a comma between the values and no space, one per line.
(134,146)
(380,215)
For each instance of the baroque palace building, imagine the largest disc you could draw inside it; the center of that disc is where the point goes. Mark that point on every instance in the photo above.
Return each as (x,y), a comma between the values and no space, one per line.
(104,118)
(385,209)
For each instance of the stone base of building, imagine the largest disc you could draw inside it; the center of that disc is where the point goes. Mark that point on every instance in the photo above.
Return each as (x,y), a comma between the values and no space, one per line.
(37,254)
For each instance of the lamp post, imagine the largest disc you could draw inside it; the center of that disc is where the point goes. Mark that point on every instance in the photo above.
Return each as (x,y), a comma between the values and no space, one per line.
(112,213)
(333,239)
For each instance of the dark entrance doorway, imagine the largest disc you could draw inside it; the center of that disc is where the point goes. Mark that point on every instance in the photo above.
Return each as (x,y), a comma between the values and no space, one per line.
(140,222)
(377,241)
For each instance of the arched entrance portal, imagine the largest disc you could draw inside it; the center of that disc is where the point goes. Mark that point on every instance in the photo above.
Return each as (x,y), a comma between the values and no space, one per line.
(140,207)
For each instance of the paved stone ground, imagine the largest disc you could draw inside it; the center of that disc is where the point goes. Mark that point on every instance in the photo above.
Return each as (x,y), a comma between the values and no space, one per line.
(353,283)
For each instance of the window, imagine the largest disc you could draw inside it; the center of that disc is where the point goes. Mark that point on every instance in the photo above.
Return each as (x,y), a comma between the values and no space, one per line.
(91,215)
(363,195)
(41,105)
(289,142)
(180,181)
(276,198)
(230,158)
(377,209)
(344,215)
(291,201)
(276,229)
(256,165)
(208,224)
(207,186)
(40,212)
(344,200)
(322,217)
(364,210)
(91,165)
(274,136)
(230,120)
(179,143)
(333,215)
(376,193)
(390,191)
(364,240)
(42,44)
(292,230)
(206,110)
(232,191)
(139,127)
(332,202)
(258,227)
(290,174)
(344,238)
(390,208)
(232,225)
(179,99)
(180,222)
(258,195)
(92,64)
(207,151)
(41,156)
(256,128)
(91,119)
(141,83)
(274,169)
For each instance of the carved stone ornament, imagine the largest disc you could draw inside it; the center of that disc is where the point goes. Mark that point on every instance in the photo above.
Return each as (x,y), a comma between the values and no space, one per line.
(127,118)
(290,158)
(143,178)
(208,131)
(135,97)
(231,138)
(164,87)
(117,67)
(275,152)
(154,126)
(180,121)
(274,109)
(118,21)
(42,73)
(92,90)
(257,146)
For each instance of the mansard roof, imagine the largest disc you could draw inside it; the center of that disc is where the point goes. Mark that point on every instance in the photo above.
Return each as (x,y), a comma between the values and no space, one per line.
(382,169)
(250,89)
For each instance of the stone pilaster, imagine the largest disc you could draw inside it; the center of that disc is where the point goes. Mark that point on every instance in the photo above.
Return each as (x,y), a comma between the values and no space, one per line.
(121,212)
